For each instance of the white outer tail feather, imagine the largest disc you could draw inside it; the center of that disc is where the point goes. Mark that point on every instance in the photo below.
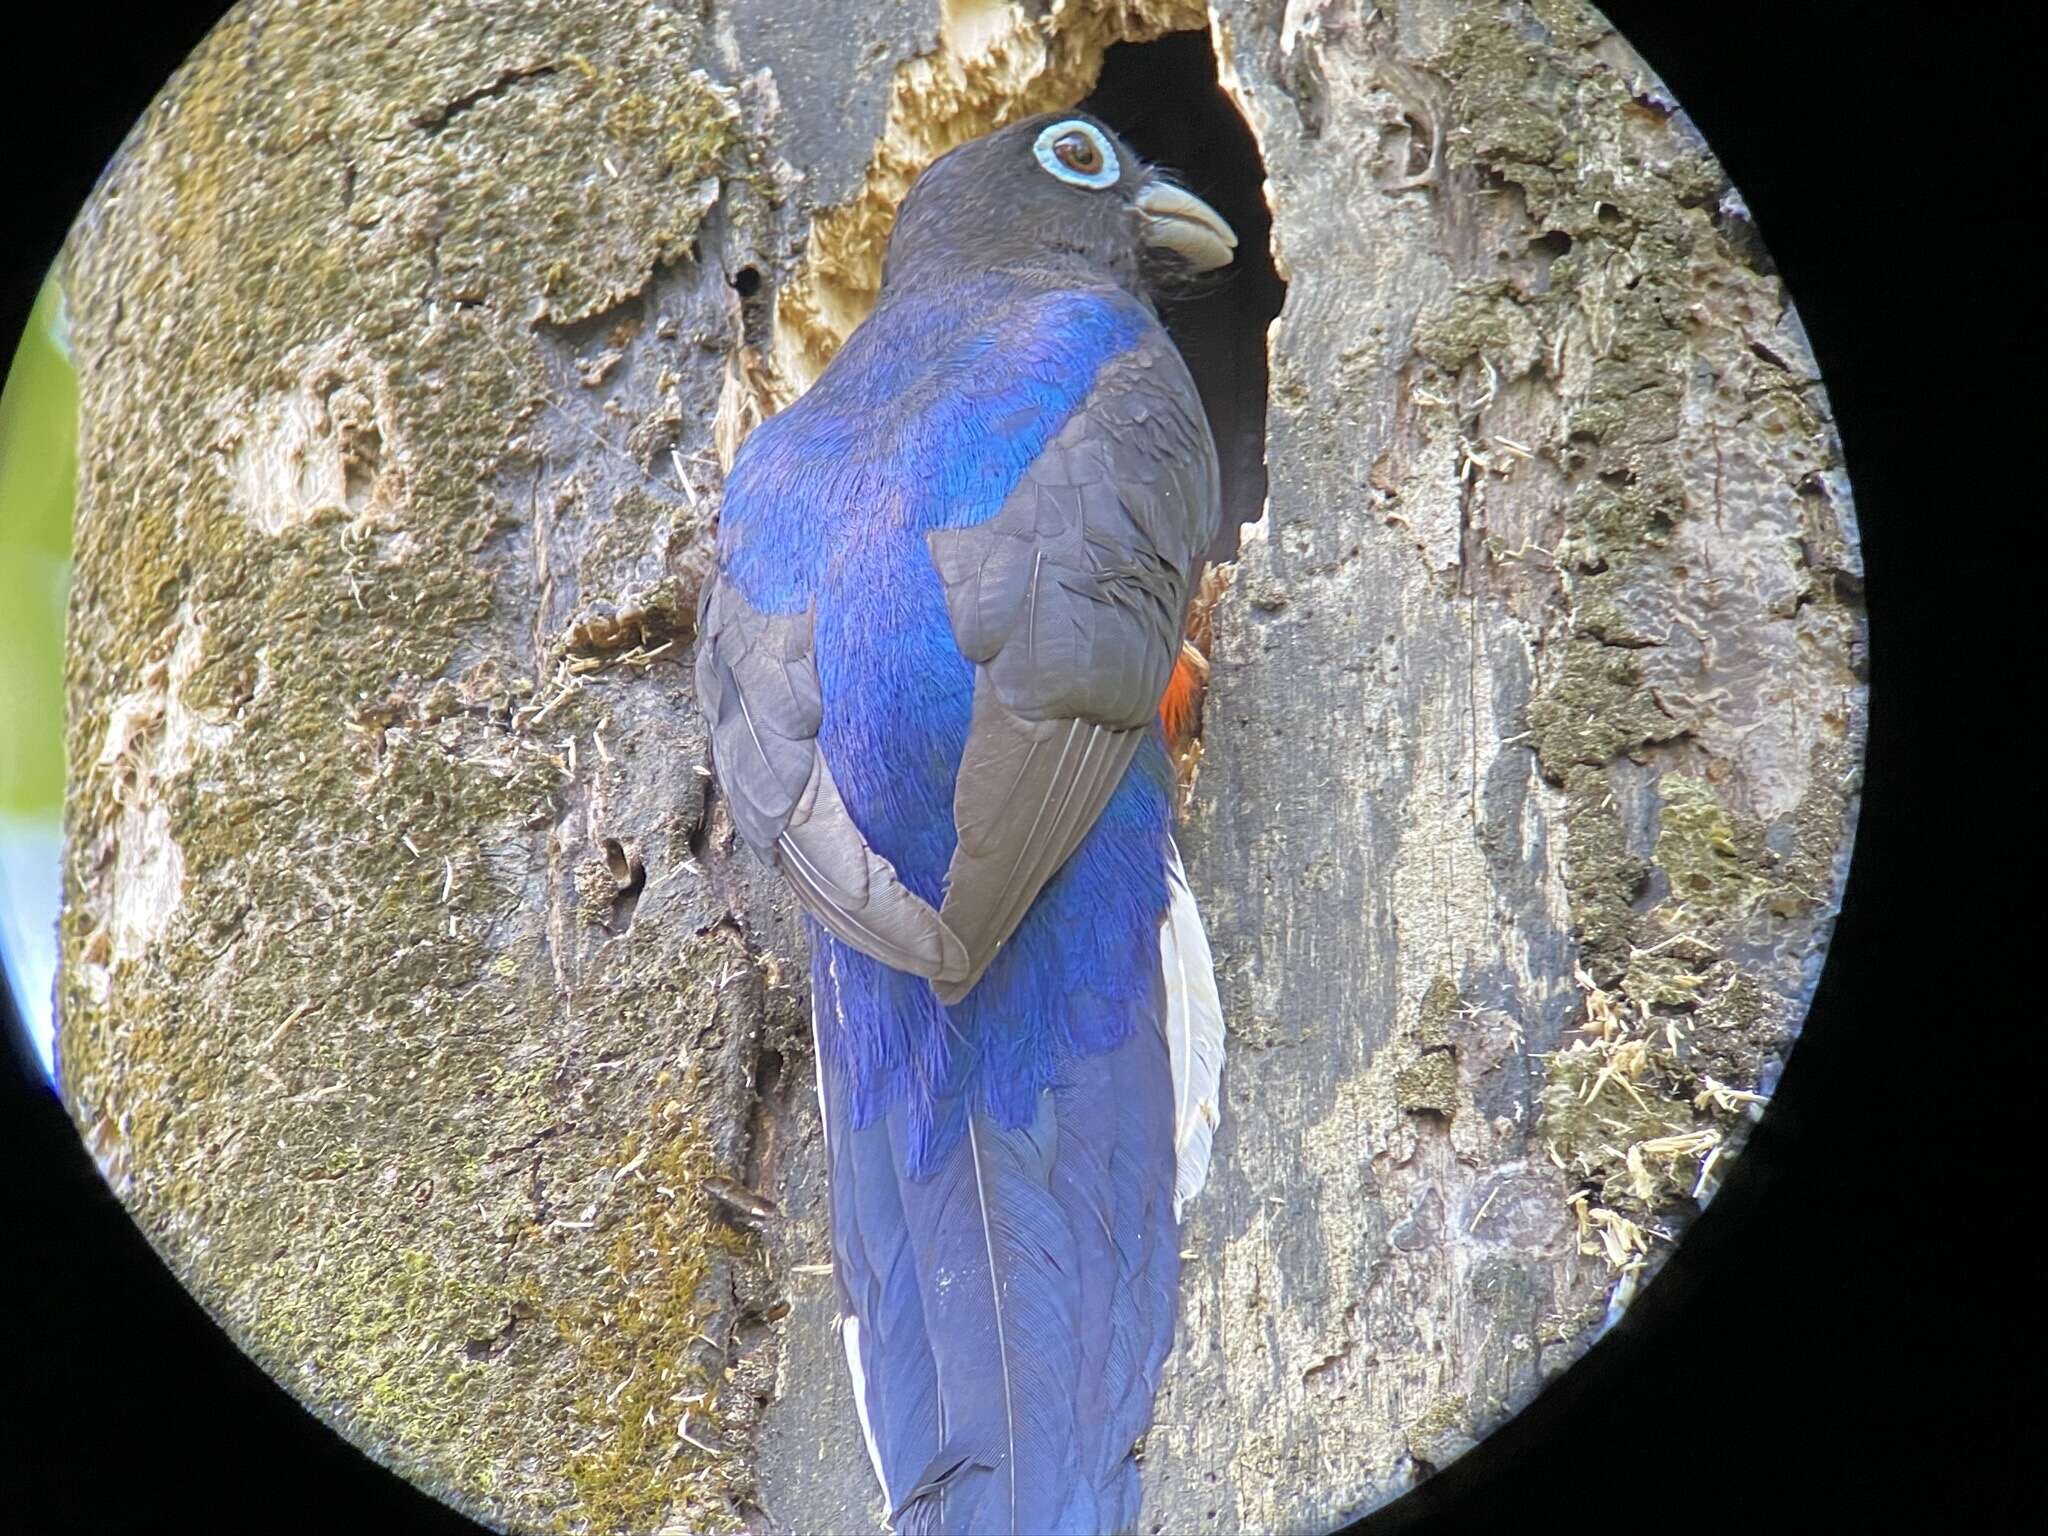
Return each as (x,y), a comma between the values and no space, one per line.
(849,1340)
(1194,1034)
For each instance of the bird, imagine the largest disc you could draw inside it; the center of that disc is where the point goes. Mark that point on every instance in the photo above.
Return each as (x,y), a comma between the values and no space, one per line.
(950,586)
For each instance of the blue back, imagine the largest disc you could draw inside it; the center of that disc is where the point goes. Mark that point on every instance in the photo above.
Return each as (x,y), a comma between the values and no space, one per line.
(926,420)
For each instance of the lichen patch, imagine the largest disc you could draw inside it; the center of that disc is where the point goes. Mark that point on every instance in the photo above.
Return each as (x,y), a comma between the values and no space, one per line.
(1631,1108)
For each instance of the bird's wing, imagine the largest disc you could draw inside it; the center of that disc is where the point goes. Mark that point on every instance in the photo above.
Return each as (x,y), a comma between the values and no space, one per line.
(1072,600)
(757,681)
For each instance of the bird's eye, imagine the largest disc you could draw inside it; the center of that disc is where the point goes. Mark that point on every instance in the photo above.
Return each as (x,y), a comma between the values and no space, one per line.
(1078,153)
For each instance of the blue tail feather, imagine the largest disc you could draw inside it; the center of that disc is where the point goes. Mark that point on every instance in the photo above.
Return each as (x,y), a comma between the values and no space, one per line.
(1116,1165)
(1000,1272)
(1015,1301)
(876,1275)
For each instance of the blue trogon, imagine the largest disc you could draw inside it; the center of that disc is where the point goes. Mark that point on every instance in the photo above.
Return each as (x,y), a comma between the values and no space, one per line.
(951,586)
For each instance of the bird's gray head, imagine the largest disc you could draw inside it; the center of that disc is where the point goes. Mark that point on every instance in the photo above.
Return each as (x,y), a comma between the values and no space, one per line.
(1053,193)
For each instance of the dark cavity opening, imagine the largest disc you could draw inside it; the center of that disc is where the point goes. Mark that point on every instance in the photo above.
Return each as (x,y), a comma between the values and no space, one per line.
(1164,99)
(629,877)
(755,321)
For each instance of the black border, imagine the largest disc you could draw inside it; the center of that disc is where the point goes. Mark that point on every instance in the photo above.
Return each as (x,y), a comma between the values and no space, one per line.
(1825,1350)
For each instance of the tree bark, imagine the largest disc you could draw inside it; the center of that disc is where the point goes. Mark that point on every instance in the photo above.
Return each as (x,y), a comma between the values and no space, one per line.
(415,1000)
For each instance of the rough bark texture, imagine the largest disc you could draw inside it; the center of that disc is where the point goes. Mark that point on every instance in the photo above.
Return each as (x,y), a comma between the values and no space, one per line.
(414,999)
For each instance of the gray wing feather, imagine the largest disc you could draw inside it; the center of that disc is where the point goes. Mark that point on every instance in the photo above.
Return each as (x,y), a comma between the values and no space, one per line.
(758,684)
(1072,599)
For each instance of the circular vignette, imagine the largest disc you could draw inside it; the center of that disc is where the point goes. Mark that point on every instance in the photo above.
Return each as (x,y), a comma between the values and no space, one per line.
(1632,866)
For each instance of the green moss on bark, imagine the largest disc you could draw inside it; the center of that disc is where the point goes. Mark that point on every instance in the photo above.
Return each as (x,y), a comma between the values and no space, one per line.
(1636,324)
(328,1018)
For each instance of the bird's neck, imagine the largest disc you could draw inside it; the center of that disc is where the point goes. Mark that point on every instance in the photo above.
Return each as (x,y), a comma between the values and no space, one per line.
(981,280)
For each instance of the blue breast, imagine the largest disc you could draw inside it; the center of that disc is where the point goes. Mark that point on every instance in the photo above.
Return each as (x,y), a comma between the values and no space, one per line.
(926,420)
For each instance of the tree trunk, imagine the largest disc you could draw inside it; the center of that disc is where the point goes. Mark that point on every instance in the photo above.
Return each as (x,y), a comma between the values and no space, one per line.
(415,999)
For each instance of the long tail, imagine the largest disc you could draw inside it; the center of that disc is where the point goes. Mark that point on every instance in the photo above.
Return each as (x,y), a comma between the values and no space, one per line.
(1006,1314)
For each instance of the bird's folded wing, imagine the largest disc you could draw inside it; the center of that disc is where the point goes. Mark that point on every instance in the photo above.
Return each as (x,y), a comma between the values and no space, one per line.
(758,683)
(1072,600)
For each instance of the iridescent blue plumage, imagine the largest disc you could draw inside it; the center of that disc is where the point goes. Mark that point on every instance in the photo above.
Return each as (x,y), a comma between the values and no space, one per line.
(952,583)
(927,420)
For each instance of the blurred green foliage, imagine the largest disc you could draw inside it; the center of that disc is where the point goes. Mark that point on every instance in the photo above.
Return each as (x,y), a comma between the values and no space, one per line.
(38,474)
